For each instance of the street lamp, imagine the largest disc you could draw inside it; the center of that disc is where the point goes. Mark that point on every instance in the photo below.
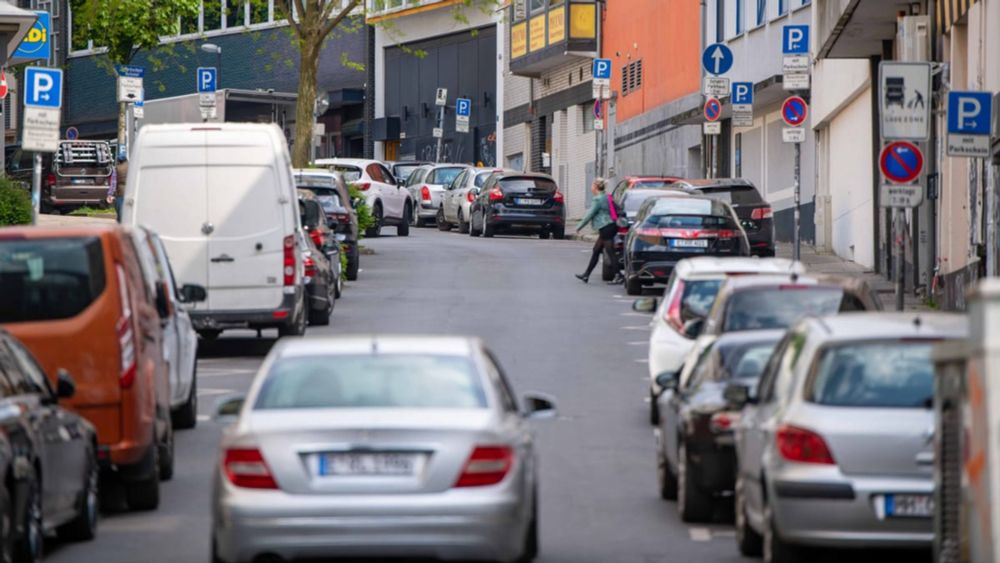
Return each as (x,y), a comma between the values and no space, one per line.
(213,48)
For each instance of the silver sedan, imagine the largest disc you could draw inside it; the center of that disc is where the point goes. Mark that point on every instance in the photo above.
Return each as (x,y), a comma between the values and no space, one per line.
(457,207)
(378,447)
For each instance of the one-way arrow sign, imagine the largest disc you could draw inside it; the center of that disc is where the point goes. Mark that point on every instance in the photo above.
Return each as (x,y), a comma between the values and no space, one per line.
(717,59)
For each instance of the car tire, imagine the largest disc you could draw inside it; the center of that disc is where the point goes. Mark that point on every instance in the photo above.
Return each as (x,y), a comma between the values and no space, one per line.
(488,230)
(166,456)
(29,542)
(403,229)
(774,549)
(473,231)
(442,225)
(544,234)
(209,335)
(215,552)
(463,226)
(749,542)
(186,416)
(320,318)
(353,263)
(559,233)
(654,409)
(693,504)
(665,477)
(296,328)
(530,550)
(376,228)
(84,526)
(633,286)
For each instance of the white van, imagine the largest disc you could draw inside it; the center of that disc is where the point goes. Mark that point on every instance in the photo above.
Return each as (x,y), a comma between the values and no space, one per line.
(222,198)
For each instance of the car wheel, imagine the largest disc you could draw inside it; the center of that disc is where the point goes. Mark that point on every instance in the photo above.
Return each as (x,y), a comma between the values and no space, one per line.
(166,457)
(209,335)
(296,328)
(748,540)
(215,551)
(145,493)
(775,550)
(463,226)
(321,317)
(29,540)
(607,267)
(633,286)
(403,229)
(442,225)
(186,417)
(473,231)
(353,262)
(544,234)
(8,521)
(693,505)
(84,526)
(488,230)
(559,233)
(654,409)
(666,478)
(376,227)
(530,550)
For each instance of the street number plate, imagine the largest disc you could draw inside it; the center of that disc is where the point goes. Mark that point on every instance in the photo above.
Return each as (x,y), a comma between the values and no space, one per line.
(909,506)
(684,243)
(367,464)
(528,201)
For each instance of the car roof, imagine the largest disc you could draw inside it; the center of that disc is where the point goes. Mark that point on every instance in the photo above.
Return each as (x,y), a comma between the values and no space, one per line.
(378,344)
(516,174)
(407,162)
(313,172)
(716,182)
(714,265)
(748,337)
(345,162)
(770,280)
(879,325)
(633,179)
(36,232)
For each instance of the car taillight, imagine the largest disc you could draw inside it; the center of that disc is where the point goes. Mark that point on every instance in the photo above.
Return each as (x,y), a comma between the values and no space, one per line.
(762,213)
(488,465)
(425,193)
(363,186)
(50,179)
(648,231)
(342,218)
(673,314)
(317,237)
(558,197)
(801,445)
(623,230)
(726,233)
(310,266)
(128,364)
(469,196)
(245,467)
(723,421)
(496,194)
(288,260)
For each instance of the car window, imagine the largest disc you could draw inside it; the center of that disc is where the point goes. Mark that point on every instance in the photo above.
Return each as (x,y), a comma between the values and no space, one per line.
(367,381)
(778,307)
(388,177)
(27,378)
(310,213)
(699,295)
(765,389)
(688,222)
(402,171)
(744,361)
(445,176)
(528,183)
(619,190)
(635,198)
(707,363)
(8,370)
(50,278)
(507,398)
(459,181)
(416,177)
(375,173)
(738,195)
(481,178)
(328,198)
(652,184)
(350,173)
(787,367)
(874,374)
(852,303)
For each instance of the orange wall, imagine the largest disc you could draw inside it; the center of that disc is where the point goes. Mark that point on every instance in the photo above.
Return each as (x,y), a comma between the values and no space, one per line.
(666,35)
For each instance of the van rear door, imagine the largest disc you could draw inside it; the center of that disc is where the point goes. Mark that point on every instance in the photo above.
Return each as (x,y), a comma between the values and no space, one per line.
(248,214)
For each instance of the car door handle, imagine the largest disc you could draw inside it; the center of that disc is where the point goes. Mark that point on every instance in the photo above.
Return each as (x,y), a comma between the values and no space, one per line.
(925,458)
(223,258)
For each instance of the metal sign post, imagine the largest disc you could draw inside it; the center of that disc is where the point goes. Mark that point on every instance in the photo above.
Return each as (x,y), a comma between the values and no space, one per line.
(794,112)
(901,163)
(440,99)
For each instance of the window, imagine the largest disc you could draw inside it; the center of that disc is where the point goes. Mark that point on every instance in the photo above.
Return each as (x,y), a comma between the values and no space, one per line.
(53,278)
(260,12)
(375,173)
(588,117)
(516,161)
(211,15)
(875,375)
(507,398)
(739,17)
(34,378)
(720,21)
(766,308)
(761,14)
(782,7)
(631,77)
(537,5)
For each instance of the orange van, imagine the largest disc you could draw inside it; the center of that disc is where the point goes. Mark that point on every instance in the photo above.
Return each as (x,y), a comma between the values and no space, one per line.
(78,300)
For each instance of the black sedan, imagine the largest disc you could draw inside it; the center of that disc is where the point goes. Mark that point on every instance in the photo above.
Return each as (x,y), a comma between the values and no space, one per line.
(756,214)
(696,461)
(671,227)
(321,259)
(332,193)
(48,458)
(518,201)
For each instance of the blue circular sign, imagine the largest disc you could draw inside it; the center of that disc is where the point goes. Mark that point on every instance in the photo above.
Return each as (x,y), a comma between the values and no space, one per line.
(901,162)
(72,133)
(713,109)
(717,59)
(794,111)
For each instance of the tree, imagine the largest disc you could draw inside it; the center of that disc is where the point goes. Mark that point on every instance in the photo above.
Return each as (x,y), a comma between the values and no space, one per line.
(125,27)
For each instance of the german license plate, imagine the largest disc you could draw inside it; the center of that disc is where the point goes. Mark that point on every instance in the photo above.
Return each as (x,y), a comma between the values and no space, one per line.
(83,181)
(685,243)
(528,201)
(909,506)
(367,464)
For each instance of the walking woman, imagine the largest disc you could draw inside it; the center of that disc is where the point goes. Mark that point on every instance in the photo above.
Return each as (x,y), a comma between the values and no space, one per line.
(599,217)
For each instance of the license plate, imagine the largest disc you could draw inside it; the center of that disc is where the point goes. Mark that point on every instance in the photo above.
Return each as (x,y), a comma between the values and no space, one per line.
(367,464)
(83,181)
(909,506)
(684,243)
(528,201)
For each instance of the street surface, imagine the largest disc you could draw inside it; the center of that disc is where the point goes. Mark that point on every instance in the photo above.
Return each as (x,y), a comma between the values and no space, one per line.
(579,343)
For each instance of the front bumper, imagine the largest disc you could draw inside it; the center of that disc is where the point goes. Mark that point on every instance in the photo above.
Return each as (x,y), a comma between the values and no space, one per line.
(291,306)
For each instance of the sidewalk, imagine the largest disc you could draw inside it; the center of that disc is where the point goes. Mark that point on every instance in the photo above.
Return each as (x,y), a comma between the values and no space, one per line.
(70,221)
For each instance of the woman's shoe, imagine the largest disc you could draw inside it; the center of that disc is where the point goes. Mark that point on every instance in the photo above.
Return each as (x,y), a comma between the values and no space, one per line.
(619,279)
(582,277)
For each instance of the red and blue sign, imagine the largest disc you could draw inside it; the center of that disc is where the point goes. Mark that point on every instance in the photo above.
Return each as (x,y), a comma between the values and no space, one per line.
(794,111)
(901,162)
(713,110)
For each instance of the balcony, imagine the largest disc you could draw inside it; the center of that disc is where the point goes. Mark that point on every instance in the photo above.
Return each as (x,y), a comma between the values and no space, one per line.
(380,10)
(855,29)
(544,34)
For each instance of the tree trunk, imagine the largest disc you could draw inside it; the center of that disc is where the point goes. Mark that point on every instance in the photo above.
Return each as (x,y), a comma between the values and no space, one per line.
(121,125)
(308,65)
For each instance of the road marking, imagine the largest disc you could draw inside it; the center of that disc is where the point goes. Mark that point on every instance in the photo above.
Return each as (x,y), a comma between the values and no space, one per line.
(638,343)
(204,418)
(208,391)
(645,399)
(631,314)
(642,361)
(700,534)
(640,327)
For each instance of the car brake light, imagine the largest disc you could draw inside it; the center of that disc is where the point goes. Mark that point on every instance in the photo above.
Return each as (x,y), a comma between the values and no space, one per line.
(342,218)
(726,233)
(363,186)
(801,445)
(623,230)
(762,213)
(723,421)
(245,467)
(310,266)
(425,193)
(648,231)
(558,197)
(470,197)
(488,465)
(496,194)
(673,314)
(288,260)
(317,237)
(126,334)
(50,179)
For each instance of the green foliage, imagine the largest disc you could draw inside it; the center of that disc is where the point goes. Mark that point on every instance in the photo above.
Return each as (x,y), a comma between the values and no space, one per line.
(126,26)
(365,218)
(93,212)
(343,264)
(15,203)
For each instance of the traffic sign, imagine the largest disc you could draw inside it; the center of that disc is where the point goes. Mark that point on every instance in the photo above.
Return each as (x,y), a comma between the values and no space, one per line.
(437,132)
(3,84)
(793,134)
(905,104)
(36,44)
(969,124)
(711,128)
(43,87)
(602,72)
(895,195)
(463,107)
(716,87)
(713,110)
(207,79)
(441,97)
(901,162)
(794,111)
(139,108)
(795,81)
(795,39)
(129,83)
(742,93)
(72,133)
(717,59)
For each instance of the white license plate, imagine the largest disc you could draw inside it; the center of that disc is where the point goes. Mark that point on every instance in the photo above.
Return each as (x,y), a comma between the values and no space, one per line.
(528,201)
(684,243)
(83,181)
(367,464)
(909,506)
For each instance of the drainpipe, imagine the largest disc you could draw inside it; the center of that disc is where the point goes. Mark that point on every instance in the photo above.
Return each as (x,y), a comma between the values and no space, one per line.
(932,163)
(704,37)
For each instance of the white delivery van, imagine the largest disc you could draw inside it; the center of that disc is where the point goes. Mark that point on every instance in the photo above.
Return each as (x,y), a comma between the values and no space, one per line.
(222,198)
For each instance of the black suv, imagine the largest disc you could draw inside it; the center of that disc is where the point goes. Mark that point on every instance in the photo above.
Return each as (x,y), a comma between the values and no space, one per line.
(755,214)
(519,201)
(332,193)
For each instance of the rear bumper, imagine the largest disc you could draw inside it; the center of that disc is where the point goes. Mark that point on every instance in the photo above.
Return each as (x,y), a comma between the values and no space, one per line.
(291,306)
(504,217)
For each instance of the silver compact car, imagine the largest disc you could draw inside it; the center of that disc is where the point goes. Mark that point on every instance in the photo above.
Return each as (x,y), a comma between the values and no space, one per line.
(457,207)
(836,447)
(378,447)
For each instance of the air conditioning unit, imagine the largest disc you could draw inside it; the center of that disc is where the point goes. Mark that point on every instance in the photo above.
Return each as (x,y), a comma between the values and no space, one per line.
(913,38)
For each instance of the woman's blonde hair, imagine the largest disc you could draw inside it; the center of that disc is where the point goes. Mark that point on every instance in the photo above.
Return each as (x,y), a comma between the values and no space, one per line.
(601,183)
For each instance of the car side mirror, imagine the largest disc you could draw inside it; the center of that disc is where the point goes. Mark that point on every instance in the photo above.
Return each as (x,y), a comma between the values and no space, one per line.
(65,386)
(667,381)
(228,408)
(693,327)
(645,305)
(538,406)
(192,293)
(737,395)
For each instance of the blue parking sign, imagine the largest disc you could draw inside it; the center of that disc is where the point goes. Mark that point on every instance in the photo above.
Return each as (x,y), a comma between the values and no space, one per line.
(207,79)
(795,40)
(602,69)
(970,113)
(742,93)
(43,87)
(463,107)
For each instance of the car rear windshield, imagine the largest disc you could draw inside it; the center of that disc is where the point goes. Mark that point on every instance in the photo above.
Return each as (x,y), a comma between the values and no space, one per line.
(310,181)
(652,183)
(481,178)
(635,198)
(874,374)
(350,173)
(445,176)
(699,296)
(329,198)
(689,222)
(525,184)
(779,307)
(49,279)
(372,381)
(403,171)
(746,361)
(734,195)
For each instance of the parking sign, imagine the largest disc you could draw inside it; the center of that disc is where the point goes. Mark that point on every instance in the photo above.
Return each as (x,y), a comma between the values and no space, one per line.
(795,39)
(43,87)
(207,79)
(970,123)
(742,93)
(602,72)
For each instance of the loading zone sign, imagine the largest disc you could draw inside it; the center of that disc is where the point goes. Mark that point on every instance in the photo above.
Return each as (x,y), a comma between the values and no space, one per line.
(905,100)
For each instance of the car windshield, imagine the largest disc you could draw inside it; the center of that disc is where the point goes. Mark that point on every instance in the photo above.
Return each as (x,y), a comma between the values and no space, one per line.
(779,307)
(734,195)
(746,361)
(635,198)
(445,176)
(698,298)
(652,183)
(874,374)
(310,181)
(524,184)
(350,173)
(403,171)
(47,279)
(372,381)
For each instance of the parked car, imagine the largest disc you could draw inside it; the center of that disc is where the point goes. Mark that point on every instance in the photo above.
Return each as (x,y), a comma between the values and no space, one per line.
(756,214)
(630,201)
(180,342)
(401,169)
(427,186)
(672,227)
(696,462)
(78,299)
(81,175)
(322,277)
(835,447)
(20,166)
(518,201)
(689,295)
(390,203)
(423,426)
(333,194)
(457,207)
(642,182)
(234,230)
(48,457)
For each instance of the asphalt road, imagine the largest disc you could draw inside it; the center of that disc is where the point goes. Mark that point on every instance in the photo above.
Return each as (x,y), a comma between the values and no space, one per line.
(579,343)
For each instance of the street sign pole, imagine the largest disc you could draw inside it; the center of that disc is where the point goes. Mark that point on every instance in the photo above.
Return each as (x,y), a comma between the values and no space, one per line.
(897,233)
(440,141)
(797,249)
(36,188)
